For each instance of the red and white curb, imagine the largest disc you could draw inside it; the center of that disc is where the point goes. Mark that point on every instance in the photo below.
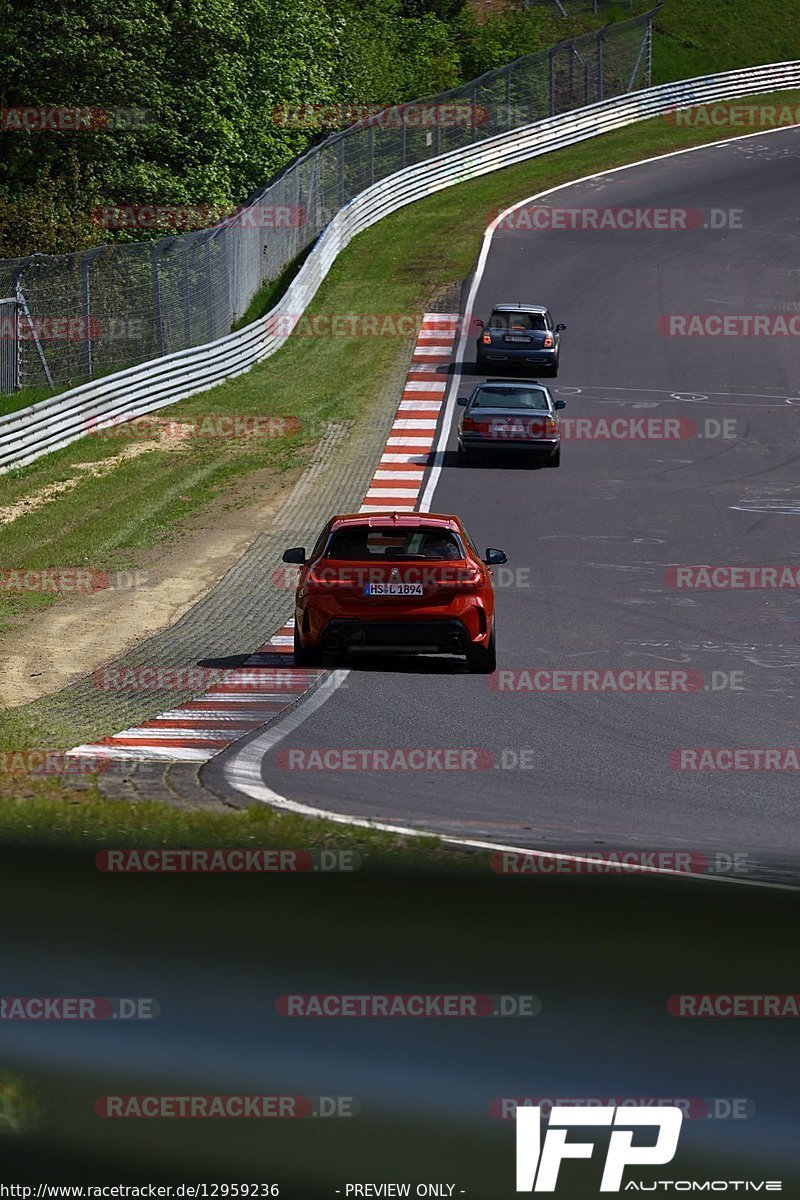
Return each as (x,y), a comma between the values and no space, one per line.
(397,482)
(268,681)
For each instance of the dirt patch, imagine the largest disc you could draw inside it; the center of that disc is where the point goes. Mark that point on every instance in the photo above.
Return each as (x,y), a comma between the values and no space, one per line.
(30,504)
(47,650)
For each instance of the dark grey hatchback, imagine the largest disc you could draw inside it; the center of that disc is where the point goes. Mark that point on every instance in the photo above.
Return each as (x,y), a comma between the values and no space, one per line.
(502,415)
(520,333)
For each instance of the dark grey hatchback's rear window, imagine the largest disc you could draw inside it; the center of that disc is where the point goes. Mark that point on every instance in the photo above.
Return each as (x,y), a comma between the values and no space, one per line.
(522,321)
(497,396)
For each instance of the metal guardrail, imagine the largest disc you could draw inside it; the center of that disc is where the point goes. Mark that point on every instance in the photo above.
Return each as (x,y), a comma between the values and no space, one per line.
(54,423)
(110,307)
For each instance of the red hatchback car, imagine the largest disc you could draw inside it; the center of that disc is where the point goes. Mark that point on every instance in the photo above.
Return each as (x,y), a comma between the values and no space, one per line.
(395,582)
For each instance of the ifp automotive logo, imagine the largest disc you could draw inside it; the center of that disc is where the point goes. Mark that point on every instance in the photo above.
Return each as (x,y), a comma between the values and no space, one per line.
(538,1163)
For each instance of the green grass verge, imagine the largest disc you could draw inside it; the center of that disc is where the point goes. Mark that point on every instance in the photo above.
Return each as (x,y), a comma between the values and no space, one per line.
(50,812)
(701,37)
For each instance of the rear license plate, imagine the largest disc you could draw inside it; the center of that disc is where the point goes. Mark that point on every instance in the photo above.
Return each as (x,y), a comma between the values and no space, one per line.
(393,589)
(508,429)
(512,338)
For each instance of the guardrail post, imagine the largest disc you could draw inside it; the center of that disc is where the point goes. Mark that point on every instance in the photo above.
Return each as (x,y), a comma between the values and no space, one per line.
(159,327)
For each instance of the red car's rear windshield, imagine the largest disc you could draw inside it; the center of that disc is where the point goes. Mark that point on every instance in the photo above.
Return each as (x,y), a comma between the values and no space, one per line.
(364,544)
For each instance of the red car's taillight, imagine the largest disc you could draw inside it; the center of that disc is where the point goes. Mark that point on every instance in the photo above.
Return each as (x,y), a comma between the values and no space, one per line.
(326,579)
(470,580)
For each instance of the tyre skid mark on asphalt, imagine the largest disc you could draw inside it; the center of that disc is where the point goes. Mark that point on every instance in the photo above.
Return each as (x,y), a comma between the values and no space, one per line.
(268,682)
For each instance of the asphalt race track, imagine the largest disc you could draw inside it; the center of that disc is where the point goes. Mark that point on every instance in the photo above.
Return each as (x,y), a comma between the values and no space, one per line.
(590,544)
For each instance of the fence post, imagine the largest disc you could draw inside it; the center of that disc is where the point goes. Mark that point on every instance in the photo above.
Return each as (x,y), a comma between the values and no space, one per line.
(187,316)
(341,173)
(372,152)
(552,83)
(208,290)
(508,97)
(22,301)
(86,300)
(9,347)
(155,251)
(600,64)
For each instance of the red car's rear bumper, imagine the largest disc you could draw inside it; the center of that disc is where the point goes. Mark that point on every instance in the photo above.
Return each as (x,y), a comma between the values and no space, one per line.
(449,628)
